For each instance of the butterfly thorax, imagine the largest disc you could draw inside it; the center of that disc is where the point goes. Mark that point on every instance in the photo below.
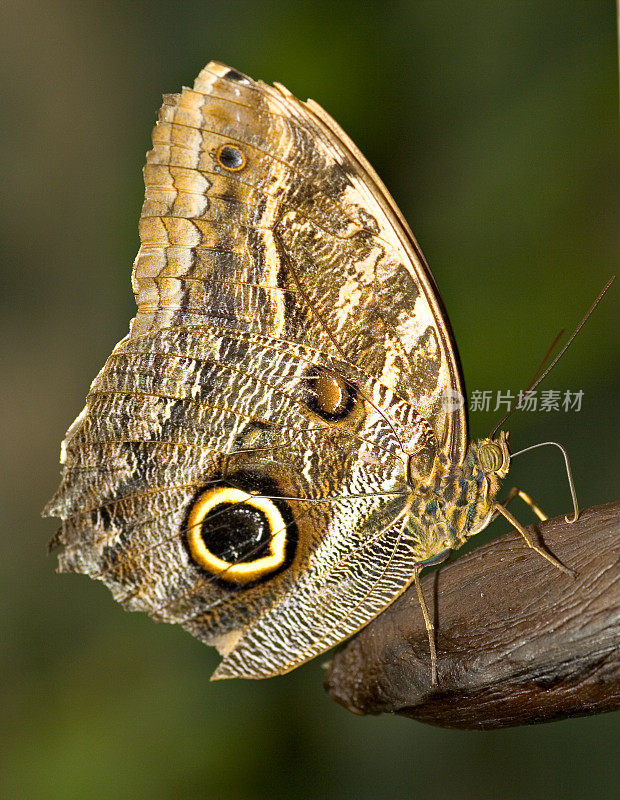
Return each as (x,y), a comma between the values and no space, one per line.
(452,502)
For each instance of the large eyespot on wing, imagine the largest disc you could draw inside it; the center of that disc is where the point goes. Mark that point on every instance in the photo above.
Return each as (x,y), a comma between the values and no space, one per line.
(354,576)
(262,215)
(239,537)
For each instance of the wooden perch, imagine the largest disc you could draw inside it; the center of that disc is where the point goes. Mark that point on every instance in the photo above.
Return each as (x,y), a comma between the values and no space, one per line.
(518,641)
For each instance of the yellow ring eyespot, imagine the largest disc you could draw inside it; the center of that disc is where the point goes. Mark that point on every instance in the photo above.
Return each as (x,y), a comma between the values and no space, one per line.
(231,158)
(226,525)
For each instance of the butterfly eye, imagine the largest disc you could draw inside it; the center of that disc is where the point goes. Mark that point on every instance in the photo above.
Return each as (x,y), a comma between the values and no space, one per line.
(231,158)
(237,537)
(490,457)
(329,395)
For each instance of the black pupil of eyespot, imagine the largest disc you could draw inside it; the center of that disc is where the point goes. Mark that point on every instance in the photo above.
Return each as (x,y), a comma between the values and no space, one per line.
(236,532)
(230,157)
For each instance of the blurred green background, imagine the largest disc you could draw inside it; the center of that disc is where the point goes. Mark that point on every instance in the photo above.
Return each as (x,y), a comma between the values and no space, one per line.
(494,126)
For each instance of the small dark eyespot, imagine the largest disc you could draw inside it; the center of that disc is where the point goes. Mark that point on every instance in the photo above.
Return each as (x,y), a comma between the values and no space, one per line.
(238,77)
(329,395)
(231,158)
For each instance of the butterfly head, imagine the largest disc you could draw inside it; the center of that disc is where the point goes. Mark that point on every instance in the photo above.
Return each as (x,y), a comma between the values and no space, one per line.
(490,456)
(489,462)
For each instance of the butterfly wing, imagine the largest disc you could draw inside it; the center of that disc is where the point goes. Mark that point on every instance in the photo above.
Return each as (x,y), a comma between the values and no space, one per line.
(289,345)
(302,240)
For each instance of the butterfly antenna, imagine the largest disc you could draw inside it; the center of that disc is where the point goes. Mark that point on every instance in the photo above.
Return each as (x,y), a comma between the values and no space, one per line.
(545,359)
(569,474)
(538,377)
(532,382)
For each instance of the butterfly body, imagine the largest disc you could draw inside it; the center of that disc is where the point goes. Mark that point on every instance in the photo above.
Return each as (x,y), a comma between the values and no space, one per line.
(268,454)
(456,502)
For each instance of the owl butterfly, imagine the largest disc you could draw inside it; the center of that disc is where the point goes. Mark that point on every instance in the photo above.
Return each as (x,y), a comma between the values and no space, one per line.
(279,443)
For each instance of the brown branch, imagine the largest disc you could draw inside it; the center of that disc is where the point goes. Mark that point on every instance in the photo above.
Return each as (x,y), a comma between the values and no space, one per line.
(518,641)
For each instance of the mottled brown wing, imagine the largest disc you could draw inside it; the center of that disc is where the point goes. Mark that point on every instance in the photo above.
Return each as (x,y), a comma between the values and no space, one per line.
(272,262)
(299,240)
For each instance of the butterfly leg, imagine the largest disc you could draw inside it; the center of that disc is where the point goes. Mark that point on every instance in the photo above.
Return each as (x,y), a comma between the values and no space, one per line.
(430,628)
(516,492)
(529,539)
